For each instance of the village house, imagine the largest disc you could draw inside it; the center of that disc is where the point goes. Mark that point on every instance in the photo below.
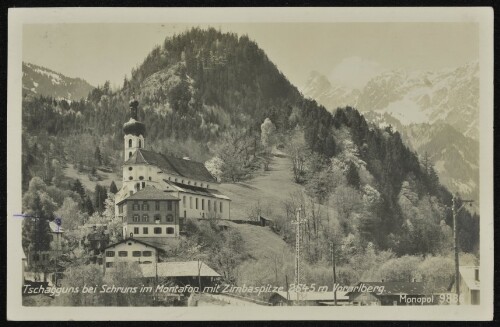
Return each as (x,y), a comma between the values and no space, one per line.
(470,285)
(187,180)
(283,298)
(43,257)
(129,250)
(149,213)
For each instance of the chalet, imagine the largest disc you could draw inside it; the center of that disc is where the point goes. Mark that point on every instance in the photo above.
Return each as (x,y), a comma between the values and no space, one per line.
(469,285)
(129,250)
(283,298)
(387,293)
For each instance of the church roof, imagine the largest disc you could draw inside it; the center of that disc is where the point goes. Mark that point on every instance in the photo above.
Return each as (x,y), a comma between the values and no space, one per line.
(150,193)
(172,165)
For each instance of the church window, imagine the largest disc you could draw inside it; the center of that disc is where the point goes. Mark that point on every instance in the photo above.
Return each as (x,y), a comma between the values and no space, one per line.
(215,206)
(141,178)
(136,218)
(140,143)
(169,205)
(209,206)
(130,154)
(170,218)
(149,177)
(196,203)
(129,168)
(190,202)
(130,143)
(130,178)
(145,206)
(157,230)
(157,205)
(202,204)
(220,206)
(143,184)
(184,201)
(170,230)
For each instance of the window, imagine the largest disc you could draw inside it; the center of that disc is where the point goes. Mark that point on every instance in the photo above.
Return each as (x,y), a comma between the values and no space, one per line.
(141,178)
(170,230)
(109,264)
(169,205)
(208,185)
(201,185)
(184,213)
(146,262)
(202,204)
(176,180)
(130,143)
(209,206)
(170,218)
(145,206)
(215,206)
(143,184)
(190,202)
(147,253)
(145,218)
(157,230)
(136,253)
(136,230)
(220,207)
(196,203)
(157,218)
(145,230)
(189,182)
(140,143)
(130,168)
(130,178)
(120,209)
(184,201)
(195,183)
(110,254)
(157,205)
(135,206)
(136,218)
(149,177)
(130,154)
(182,181)
(122,253)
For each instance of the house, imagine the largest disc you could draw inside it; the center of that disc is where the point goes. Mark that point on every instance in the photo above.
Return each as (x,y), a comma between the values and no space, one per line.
(283,298)
(470,285)
(265,221)
(185,179)
(189,273)
(388,293)
(150,212)
(129,250)
(44,257)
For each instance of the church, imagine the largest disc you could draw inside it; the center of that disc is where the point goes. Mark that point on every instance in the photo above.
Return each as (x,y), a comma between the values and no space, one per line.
(152,180)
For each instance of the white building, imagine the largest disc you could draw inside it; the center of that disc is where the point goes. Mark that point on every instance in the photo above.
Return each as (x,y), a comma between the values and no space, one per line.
(129,250)
(187,180)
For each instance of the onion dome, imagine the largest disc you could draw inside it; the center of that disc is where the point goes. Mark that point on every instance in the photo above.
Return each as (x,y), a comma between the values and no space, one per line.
(134,127)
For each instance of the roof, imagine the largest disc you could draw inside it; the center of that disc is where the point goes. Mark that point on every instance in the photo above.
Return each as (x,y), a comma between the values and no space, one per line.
(133,240)
(394,288)
(197,190)
(150,193)
(54,228)
(172,165)
(313,296)
(468,275)
(178,269)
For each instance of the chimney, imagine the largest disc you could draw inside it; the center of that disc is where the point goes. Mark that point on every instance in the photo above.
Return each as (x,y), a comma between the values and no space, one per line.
(476,274)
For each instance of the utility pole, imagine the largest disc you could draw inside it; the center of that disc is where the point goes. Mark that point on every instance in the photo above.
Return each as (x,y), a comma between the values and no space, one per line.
(334,275)
(297,222)
(455,241)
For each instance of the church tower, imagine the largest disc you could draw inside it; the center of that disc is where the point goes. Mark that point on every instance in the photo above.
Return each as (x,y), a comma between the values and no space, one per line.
(134,131)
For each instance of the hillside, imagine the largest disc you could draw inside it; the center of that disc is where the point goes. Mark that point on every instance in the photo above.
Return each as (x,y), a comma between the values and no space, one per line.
(39,80)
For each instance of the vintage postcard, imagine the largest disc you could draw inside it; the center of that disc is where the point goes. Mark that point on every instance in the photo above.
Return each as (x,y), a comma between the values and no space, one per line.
(250,164)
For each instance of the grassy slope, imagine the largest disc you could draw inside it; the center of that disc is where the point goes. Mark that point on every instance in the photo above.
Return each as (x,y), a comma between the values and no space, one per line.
(71,172)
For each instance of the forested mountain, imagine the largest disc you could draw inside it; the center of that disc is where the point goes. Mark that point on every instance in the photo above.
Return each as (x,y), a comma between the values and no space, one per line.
(39,80)
(205,94)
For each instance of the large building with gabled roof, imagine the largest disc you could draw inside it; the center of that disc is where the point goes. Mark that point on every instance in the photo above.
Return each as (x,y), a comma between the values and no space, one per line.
(186,180)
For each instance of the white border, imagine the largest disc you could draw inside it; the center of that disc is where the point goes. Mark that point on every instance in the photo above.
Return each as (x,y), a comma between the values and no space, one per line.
(18,17)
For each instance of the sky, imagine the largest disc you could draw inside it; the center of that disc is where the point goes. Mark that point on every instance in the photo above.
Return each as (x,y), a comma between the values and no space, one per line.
(347,53)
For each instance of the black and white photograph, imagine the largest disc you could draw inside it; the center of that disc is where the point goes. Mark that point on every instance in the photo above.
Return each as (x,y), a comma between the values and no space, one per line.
(215,163)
